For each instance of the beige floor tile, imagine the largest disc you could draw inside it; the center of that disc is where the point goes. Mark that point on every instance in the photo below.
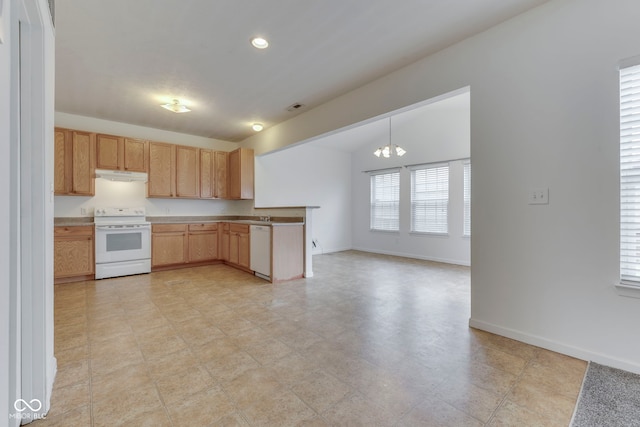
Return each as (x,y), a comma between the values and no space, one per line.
(68,398)
(321,390)
(213,346)
(172,363)
(470,399)
(201,409)
(510,414)
(435,412)
(279,409)
(180,387)
(228,367)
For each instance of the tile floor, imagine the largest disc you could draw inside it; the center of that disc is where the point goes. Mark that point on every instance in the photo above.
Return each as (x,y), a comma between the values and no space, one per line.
(369,341)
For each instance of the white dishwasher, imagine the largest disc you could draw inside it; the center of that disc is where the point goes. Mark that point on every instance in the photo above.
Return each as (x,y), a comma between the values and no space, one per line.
(261,250)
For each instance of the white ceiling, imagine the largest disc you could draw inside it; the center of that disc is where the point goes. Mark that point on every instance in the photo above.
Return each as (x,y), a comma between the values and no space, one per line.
(119,59)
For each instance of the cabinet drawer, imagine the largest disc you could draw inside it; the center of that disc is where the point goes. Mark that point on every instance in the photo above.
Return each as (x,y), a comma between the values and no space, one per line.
(239,228)
(203,227)
(73,230)
(168,228)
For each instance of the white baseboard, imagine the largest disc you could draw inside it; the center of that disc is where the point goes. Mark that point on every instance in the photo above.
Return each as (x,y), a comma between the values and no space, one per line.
(408,255)
(558,347)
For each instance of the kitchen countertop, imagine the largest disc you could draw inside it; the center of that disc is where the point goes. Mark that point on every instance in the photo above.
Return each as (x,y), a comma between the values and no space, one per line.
(275,221)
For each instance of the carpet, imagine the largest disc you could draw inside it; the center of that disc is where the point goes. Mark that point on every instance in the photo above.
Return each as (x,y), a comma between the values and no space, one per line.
(609,397)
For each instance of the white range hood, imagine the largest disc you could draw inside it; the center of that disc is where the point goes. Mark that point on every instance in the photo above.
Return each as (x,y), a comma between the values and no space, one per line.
(124,176)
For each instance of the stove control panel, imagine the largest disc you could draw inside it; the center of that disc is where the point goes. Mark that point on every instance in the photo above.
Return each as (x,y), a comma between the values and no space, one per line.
(117,212)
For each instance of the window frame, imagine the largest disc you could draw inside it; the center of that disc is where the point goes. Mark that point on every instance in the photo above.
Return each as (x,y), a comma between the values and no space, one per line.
(374,207)
(466,198)
(443,230)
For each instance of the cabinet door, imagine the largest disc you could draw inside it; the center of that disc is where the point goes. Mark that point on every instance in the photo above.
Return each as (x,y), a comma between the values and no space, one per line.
(168,248)
(240,174)
(82,163)
(203,246)
(161,182)
(234,244)
(62,162)
(207,176)
(224,241)
(73,251)
(221,170)
(243,249)
(187,172)
(134,157)
(108,152)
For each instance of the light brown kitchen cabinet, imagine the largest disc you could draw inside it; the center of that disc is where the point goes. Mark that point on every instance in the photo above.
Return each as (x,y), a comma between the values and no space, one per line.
(169,244)
(118,153)
(224,235)
(73,253)
(187,172)
(203,242)
(240,174)
(239,248)
(207,174)
(161,181)
(74,162)
(221,170)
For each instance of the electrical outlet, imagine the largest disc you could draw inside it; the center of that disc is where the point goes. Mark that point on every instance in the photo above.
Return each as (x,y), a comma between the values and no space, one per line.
(538,196)
(83,211)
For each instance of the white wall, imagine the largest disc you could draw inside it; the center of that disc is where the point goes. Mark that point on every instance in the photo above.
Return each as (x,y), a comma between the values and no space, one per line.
(307,175)
(544,113)
(438,132)
(7,392)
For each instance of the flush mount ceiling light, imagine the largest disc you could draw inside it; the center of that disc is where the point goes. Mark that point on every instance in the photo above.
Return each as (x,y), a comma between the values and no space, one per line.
(176,107)
(257,127)
(259,43)
(390,149)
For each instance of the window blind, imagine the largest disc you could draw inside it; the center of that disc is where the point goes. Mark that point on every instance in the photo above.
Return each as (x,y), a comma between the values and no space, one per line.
(630,174)
(466,229)
(385,201)
(430,199)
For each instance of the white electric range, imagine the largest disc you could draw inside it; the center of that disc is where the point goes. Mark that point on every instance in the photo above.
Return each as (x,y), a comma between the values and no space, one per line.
(123,242)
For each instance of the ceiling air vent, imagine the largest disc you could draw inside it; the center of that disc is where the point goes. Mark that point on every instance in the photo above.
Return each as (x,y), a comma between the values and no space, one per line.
(295,107)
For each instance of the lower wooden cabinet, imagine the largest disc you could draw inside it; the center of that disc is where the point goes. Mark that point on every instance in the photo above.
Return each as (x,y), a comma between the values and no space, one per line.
(203,242)
(176,244)
(73,254)
(169,244)
(239,248)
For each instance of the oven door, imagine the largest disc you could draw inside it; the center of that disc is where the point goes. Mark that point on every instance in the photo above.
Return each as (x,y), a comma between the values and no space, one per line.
(115,243)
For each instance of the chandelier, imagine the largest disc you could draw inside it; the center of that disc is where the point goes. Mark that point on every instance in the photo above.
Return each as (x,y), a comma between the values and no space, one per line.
(389,149)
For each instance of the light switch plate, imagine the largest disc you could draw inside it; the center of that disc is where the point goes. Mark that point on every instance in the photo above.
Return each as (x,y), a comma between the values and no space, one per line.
(539,196)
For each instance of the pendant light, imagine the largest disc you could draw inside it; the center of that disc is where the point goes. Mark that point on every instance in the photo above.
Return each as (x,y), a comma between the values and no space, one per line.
(390,149)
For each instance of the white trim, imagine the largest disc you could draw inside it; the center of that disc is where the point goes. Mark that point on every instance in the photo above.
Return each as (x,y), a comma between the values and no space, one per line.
(414,256)
(626,290)
(538,341)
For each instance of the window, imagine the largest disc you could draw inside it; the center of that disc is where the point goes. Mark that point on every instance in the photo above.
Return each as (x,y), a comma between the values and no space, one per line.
(385,201)
(430,199)
(630,175)
(466,229)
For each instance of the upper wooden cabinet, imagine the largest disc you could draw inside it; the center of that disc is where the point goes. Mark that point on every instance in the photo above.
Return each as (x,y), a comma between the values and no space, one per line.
(74,162)
(240,174)
(187,172)
(221,170)
(162,170)
(207,174)
(118,153)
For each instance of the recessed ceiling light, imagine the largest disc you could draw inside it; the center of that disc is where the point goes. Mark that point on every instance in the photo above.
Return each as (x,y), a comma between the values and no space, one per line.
(259,43)
(176,107)
(257,127)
